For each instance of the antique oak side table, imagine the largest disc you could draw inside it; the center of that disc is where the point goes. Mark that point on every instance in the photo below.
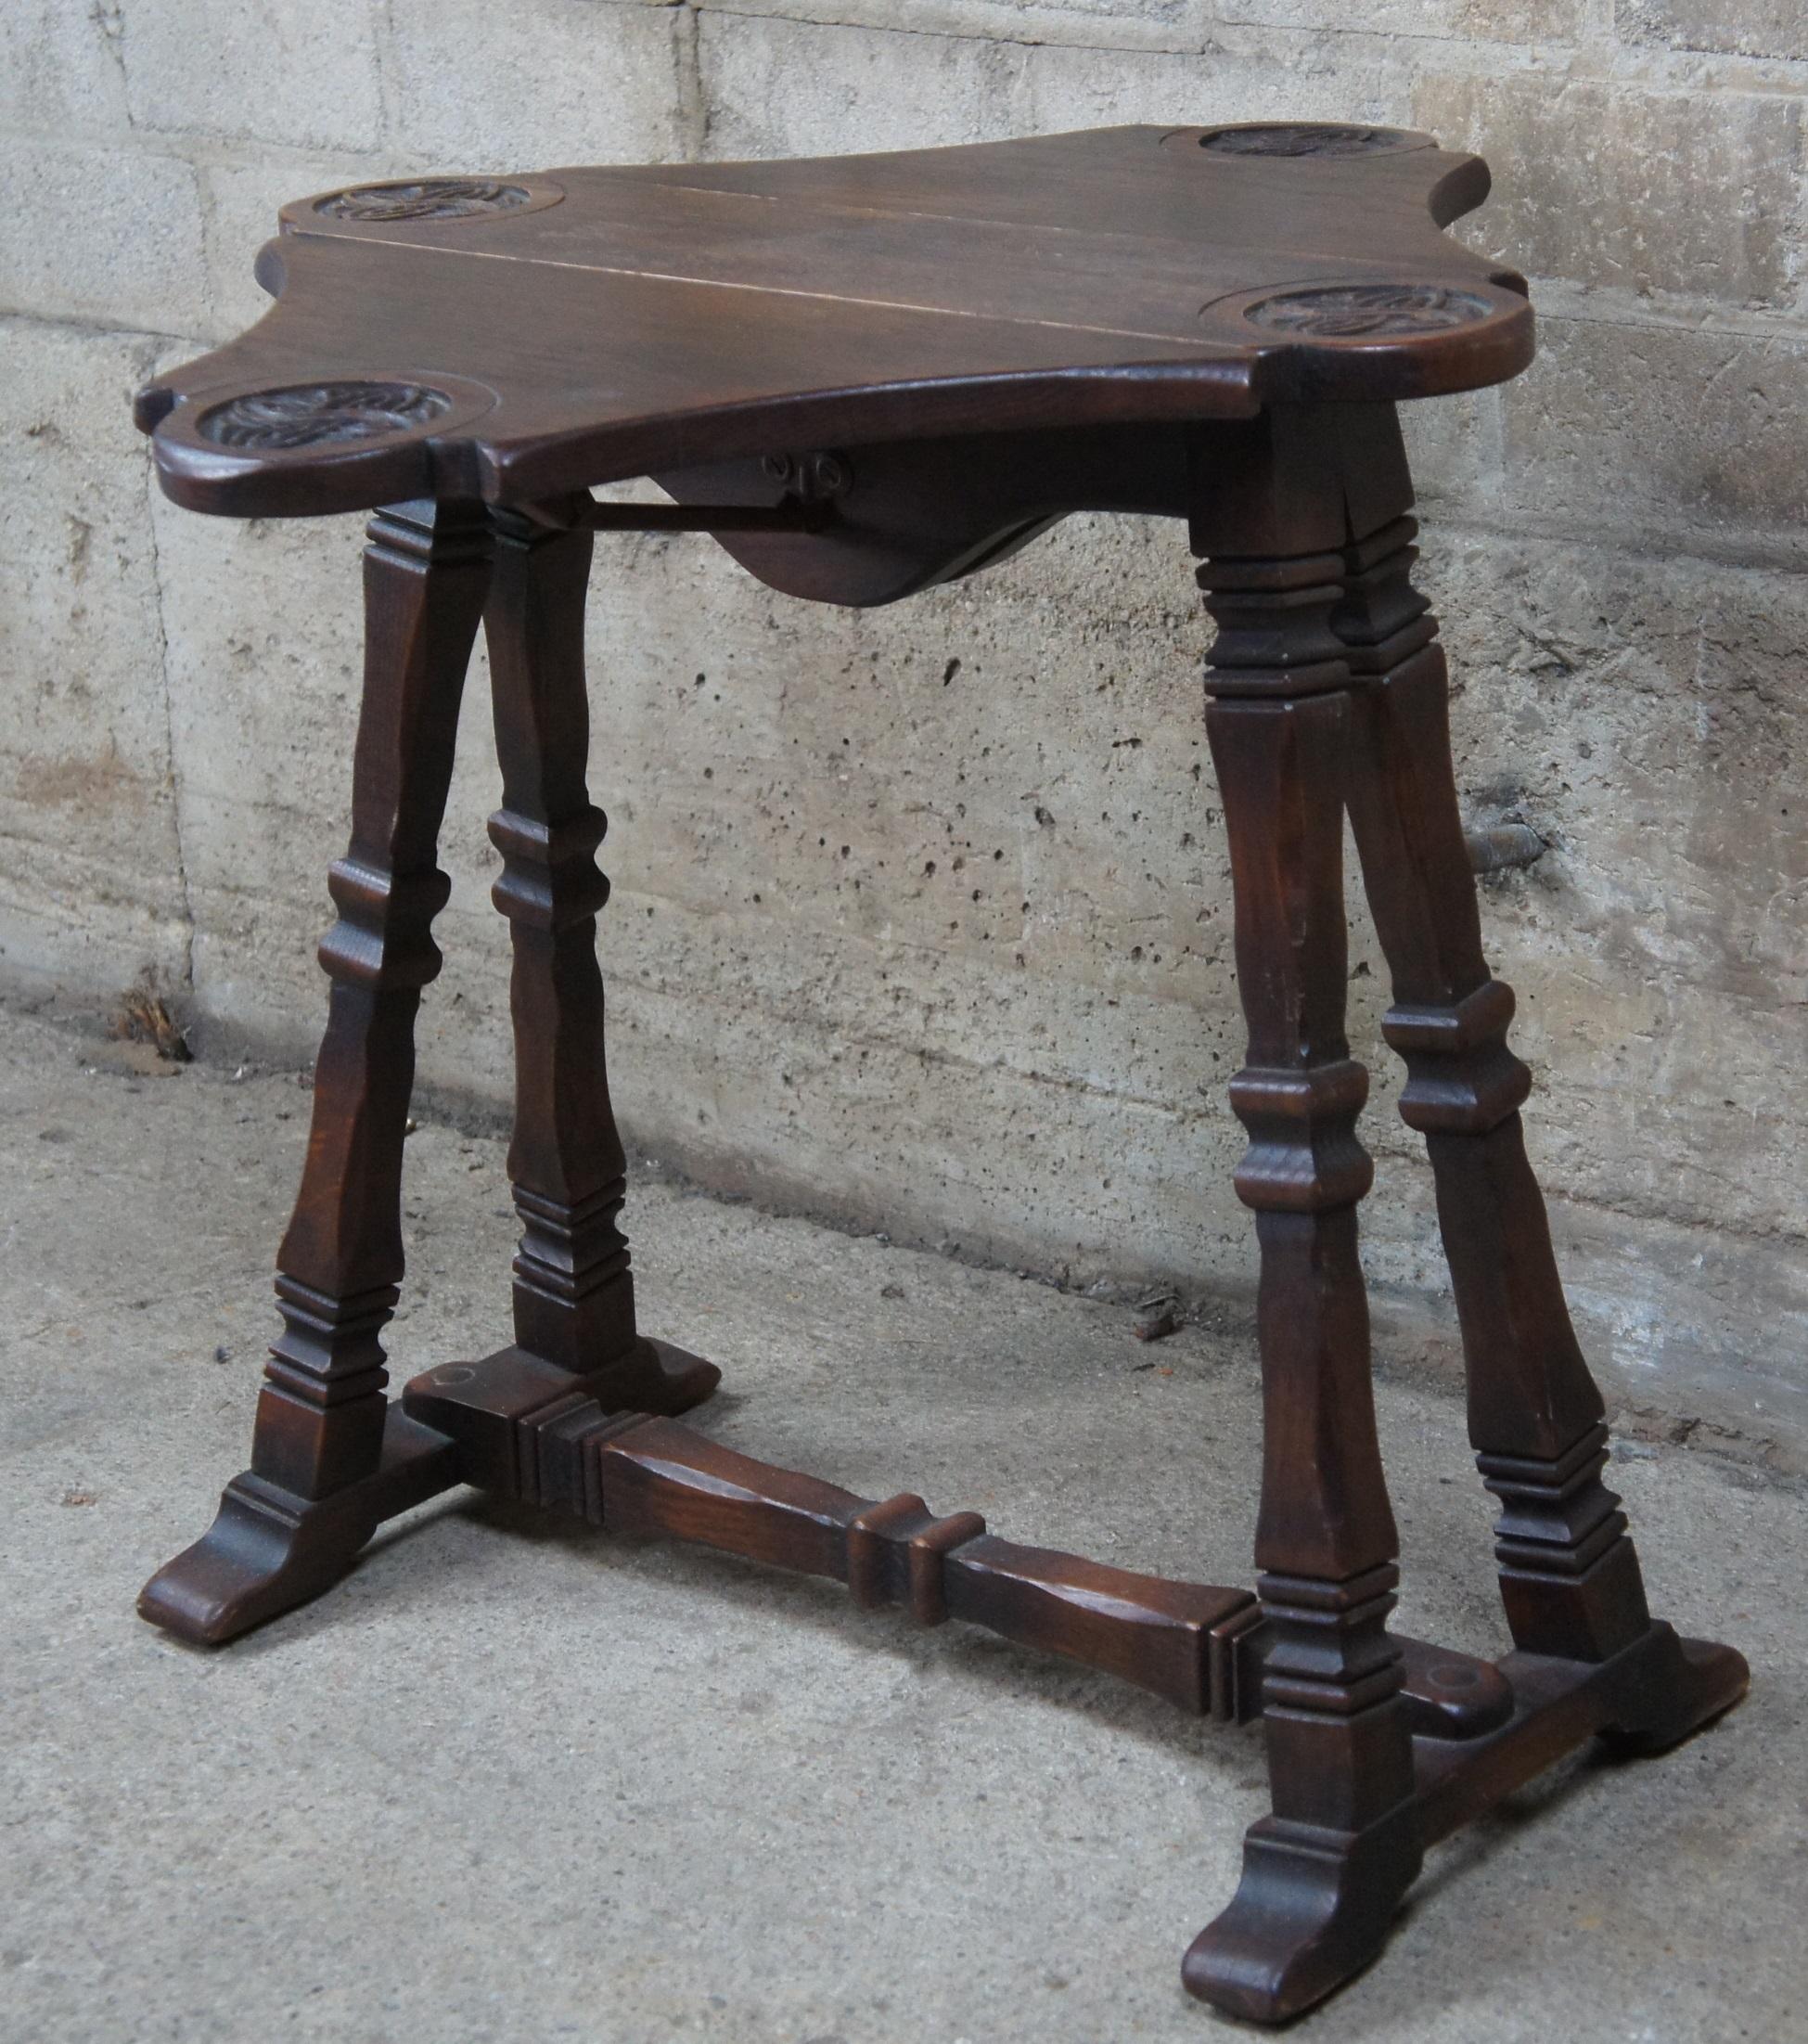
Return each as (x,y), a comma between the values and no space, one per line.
(865,376)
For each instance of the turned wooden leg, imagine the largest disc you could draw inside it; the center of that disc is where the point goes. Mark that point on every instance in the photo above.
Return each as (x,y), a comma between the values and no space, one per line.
(1569,1576)
(329,1458)
(573,1290)
(1324,1873)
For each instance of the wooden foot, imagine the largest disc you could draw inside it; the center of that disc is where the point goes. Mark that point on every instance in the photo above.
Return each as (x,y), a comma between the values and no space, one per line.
(1664,1687)
(1684,1686)
(1315,1905)
(269,1551)
(680,1381)
(1313,1909)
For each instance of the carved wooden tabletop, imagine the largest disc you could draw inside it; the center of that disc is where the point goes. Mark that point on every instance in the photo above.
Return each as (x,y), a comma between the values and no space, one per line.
(512,339)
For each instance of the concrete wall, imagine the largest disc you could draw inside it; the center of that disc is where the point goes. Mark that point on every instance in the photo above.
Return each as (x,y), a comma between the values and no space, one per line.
(921,917)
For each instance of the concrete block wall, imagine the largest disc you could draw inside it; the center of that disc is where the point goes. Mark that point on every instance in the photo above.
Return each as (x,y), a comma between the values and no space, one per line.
(921,916)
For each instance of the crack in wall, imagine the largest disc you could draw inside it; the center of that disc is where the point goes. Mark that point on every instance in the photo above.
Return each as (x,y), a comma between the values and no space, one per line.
(170,754)
(694,108)
(109,17)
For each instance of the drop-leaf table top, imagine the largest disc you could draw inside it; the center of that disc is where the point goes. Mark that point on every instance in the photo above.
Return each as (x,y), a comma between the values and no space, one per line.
(512,337)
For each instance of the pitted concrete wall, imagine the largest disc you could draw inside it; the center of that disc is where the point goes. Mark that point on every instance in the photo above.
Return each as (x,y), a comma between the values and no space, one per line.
(921,916)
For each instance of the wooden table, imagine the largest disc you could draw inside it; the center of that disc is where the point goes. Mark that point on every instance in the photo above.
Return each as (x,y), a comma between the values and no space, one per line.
(865,375)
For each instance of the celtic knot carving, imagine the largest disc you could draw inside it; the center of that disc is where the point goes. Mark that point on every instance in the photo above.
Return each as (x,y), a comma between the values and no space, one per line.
(310,415)
(428,199)
(1298,139)
(1355,312)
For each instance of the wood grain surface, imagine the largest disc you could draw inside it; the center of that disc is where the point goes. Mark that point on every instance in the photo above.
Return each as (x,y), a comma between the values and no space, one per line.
(515,337)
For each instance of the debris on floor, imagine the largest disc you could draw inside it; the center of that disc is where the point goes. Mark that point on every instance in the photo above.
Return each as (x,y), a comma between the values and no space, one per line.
(144,1017)
(1156,1315)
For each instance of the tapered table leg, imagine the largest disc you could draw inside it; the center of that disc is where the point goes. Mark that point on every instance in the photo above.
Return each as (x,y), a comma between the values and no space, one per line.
(329,1458)
(1324,1873)
(1569,1577)
(574,1300)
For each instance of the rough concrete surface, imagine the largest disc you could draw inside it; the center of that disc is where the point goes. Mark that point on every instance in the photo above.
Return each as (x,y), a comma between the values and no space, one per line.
(515,1782)
(921,917)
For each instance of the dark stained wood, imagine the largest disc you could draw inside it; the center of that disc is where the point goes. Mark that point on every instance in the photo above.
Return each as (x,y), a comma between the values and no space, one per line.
(522,1429)
(865,376)
(783,517)
(1450,1695)
(268,1550)
(1122,275)
(573,1293)
(341,1263)
(912,513)
(1648,1697)
(1323,1874)
(1570,1578)
(320,1430)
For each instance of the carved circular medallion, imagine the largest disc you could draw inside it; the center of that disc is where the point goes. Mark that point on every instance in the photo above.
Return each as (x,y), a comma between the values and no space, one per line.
(1361,312)
(425,198)
(311,415)
(1303,138)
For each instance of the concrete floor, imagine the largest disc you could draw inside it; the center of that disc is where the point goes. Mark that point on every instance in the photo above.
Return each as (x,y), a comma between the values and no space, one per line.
(518,1781)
